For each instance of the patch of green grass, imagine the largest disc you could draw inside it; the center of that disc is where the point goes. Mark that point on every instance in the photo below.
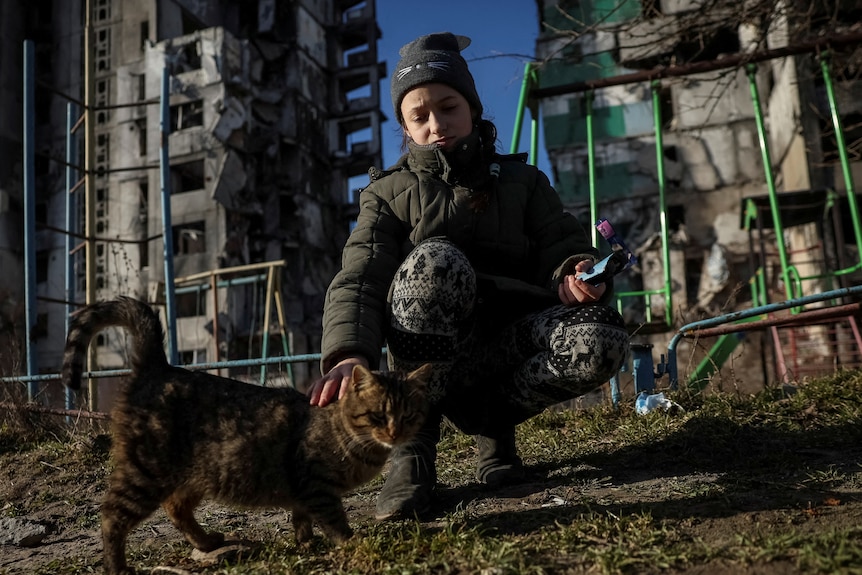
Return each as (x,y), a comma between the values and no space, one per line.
(770,481)
(67,565)
(13,509)
(833,551)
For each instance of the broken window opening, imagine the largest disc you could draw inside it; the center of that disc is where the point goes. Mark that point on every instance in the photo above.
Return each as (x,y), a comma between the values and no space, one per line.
(187,115)
(145,34)
(191,304)
(188,58)
(187,177)
(189,238)
(141,126)
(42,259)
(143,216)
(705,45)
(142,87)
(193,356)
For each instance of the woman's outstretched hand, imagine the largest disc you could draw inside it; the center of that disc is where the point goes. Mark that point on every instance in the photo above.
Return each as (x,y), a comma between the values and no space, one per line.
(574,291)
(335,383)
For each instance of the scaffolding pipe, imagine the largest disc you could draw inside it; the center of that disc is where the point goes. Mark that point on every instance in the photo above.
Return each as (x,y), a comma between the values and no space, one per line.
(69,275)
(89,183)
(30,214)
(168,244)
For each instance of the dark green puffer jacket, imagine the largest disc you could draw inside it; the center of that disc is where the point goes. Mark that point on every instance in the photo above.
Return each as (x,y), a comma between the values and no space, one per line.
(520,242)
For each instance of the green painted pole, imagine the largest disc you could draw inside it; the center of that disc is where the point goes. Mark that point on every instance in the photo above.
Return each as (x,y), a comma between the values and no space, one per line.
(591,164)
(526,86)
(662,198)
(845,161)
(534,134)
(751,69)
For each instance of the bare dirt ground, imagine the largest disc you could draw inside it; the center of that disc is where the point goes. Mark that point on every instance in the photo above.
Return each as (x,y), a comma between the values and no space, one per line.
(59,485)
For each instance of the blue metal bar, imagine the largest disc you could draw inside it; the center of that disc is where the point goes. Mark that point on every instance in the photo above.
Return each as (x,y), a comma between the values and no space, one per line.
(744,314)
(642,367)
(30,212)
(221,284)
(288,359)
(71,176)
(193,367)
(168,249)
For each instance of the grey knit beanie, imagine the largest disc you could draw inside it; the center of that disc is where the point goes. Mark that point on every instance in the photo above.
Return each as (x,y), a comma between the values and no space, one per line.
(434,58)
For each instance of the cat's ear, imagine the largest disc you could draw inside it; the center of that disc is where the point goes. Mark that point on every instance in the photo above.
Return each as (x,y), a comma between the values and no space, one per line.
(361,376)
(421,374)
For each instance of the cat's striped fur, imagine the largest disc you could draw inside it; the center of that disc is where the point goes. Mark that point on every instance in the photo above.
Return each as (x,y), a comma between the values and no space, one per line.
(180,437)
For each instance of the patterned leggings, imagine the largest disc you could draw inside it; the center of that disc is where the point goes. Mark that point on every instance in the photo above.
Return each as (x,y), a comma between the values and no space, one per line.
(541,359)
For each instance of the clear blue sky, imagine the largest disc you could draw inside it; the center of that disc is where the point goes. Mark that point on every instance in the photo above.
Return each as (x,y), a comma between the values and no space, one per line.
(503,34)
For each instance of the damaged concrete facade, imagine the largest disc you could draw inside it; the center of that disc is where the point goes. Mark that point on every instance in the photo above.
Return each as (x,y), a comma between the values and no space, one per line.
(274,107)
(711,154)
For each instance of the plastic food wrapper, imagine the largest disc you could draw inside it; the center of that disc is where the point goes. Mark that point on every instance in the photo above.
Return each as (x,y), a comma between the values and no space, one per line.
(649,402)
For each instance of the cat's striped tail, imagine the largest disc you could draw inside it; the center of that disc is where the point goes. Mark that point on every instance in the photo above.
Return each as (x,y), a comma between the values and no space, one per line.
(138,318)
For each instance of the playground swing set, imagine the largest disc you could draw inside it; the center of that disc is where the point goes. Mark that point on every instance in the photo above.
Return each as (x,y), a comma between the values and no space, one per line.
(758,214)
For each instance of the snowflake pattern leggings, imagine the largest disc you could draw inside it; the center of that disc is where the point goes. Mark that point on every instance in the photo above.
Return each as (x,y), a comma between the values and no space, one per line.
(541,359)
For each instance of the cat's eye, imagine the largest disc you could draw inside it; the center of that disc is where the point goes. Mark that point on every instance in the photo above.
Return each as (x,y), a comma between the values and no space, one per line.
(377,419)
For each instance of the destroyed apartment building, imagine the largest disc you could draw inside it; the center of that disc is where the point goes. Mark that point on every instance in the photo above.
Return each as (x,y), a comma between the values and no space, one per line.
(274,108)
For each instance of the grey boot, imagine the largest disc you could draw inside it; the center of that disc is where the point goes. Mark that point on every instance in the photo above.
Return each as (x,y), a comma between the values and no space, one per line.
(412,475)
(499,463)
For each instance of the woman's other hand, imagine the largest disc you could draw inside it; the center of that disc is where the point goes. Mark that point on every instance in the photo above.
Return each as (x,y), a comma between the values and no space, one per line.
(335,383)
(574,291)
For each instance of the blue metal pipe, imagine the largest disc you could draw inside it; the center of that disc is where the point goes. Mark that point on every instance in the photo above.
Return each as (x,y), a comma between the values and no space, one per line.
(288,359)
(71,176)
(167,235)
(221,284)
(642,367)
(30,213)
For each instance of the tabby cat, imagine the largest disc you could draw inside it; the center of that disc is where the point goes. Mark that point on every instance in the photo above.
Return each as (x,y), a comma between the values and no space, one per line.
(181,436)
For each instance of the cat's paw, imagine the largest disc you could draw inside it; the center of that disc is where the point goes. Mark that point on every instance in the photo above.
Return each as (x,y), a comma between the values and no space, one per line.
(303,532)
(341,535)
(210,542)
